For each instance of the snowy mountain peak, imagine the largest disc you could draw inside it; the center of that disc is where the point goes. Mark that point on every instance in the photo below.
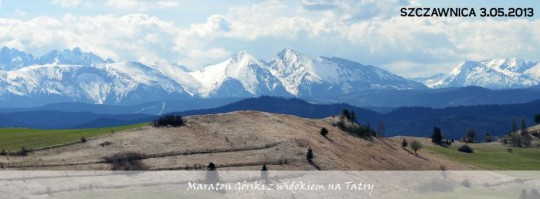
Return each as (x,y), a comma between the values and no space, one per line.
(242,56)
(74,57)
(305,76)
(292,57)
(288,53)
(494,73)
(11,58)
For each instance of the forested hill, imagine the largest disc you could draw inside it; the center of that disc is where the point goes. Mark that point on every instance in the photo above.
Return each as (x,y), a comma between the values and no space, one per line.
(454,121)
(414,121)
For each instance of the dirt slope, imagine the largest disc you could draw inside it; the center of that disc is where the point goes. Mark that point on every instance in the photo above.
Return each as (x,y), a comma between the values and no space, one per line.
(238,140)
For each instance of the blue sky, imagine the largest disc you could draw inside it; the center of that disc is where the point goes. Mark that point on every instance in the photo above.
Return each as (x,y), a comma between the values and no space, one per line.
(202,32)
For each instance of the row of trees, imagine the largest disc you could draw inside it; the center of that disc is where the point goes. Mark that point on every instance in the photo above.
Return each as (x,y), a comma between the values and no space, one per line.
(520,137)
(470,136)
(354,128)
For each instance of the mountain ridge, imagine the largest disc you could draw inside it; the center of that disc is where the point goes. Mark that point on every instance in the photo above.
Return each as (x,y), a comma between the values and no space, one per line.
(494,73)
(79,76)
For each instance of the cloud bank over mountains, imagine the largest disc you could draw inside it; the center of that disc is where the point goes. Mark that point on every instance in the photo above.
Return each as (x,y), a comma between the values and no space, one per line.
(366,31)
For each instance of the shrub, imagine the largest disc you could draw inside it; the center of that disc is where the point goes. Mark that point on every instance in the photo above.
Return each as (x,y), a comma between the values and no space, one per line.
(264,174)
(126,161)
(169,120)
(106,143)
(415,146)
(212,175)
(309,154)
(360,131)
(23,152)
(211,167)
(3,152)
(466,149)
(324,132)
(83,139)
(404,143)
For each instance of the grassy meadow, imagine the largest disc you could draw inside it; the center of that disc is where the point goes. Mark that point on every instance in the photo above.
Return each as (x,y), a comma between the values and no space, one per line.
(13,139)
(493,156)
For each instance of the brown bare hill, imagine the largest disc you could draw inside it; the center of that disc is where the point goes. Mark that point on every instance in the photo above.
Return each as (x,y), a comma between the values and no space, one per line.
(237,140)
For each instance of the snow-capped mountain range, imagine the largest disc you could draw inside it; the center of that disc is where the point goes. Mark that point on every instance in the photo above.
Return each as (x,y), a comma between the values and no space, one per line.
(78,76)
(494,74)
(75,75)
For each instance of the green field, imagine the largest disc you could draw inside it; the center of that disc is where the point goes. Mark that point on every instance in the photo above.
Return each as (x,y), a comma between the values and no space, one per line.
(13,139)
(493,156)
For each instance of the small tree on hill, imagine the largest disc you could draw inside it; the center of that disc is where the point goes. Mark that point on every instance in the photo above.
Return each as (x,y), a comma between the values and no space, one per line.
(380,129)
(324,131)
(537,118)
(523,127)
(404,143)
(488,138)
(353,117)
(514,125)
(470,137)
(525,136)
(23,152)
(83,139)
(346,114)
(517,139)
(211,167)
(436,136)
(264,174)
(212,175)
(526,140)
(415,146)
(309,155)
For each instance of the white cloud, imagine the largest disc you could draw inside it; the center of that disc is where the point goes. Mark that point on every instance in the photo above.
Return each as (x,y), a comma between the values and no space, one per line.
(142,5)
(130,37)
(67,3)
(214,55)
(411,69)
(356,9)
(253,22)
(394,41)
(134,37)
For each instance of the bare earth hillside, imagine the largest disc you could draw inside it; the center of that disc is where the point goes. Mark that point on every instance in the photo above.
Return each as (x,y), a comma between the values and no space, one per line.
(240,141)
